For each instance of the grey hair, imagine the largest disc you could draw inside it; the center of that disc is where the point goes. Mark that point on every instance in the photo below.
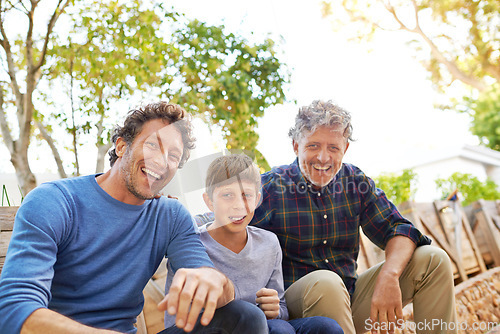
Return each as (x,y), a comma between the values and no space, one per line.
(321,113)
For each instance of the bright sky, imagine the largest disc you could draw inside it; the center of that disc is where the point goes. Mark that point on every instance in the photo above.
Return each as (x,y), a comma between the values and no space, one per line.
(386,91)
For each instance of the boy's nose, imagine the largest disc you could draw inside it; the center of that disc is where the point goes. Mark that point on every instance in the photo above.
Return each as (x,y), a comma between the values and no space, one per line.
(240,203)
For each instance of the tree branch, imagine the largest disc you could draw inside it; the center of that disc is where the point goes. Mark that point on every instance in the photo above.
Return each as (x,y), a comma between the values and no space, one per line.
(4,126)
(61,6)
(11,69)
(455,72)
(452,68)
(53,148)
(391,10)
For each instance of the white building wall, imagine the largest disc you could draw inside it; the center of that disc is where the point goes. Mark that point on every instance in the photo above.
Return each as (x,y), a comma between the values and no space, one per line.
(428,173)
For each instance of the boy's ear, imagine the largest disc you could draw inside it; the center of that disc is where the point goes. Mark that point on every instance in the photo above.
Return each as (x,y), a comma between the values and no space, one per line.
(208,202)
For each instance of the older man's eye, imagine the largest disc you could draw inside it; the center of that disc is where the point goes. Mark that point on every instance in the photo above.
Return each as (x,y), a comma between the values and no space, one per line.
(174,157)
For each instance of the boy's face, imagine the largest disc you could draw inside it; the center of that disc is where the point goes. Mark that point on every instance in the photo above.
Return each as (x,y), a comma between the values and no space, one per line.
(233,205)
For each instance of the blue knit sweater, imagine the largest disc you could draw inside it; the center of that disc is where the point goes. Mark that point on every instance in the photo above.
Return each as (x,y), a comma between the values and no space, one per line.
(78,251)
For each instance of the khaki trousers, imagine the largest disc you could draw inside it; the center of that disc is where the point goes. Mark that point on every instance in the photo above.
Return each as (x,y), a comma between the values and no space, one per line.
(427,281)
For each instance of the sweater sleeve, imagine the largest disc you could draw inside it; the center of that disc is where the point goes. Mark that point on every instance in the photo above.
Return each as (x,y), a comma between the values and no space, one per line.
(185,249)
(276,280)
(28,272)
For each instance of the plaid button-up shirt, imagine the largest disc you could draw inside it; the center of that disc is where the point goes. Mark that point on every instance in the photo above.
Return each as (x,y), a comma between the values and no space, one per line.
(319,229)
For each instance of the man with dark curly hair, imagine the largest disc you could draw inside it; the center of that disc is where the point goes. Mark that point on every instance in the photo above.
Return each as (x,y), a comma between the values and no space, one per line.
(83,248)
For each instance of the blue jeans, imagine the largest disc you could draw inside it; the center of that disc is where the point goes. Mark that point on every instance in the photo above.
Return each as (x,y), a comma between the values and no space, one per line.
(309,325)
(236,317)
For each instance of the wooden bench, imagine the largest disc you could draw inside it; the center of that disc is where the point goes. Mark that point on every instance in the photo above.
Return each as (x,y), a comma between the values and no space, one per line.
(7,215)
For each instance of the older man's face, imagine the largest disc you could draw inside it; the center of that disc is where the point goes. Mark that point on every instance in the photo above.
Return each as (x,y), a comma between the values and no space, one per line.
(320,154)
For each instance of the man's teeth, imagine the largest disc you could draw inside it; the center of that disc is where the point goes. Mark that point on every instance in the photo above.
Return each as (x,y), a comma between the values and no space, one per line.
(150,172)
(321,167)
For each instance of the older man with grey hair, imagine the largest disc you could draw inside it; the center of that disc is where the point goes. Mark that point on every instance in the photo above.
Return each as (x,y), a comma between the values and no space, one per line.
(316,206)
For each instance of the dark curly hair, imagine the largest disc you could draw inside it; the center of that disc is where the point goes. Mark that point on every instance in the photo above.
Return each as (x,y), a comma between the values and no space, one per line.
(136,118)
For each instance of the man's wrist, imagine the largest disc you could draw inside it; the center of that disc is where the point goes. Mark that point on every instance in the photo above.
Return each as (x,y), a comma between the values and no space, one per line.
(389,273)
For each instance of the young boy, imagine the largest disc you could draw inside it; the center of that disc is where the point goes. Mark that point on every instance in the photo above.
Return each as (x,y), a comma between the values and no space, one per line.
(249,256)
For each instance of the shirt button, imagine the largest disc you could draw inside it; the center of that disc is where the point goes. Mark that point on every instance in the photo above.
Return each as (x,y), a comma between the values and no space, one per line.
(326,261)
(324,242)
(319,194)
(325,216)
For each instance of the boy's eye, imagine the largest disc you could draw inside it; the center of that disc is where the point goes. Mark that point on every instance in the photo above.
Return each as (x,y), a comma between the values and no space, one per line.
(227,195)
(249,195)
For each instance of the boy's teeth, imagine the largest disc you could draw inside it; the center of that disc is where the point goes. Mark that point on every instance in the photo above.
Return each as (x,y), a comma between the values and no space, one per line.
(150,172)
(237,218)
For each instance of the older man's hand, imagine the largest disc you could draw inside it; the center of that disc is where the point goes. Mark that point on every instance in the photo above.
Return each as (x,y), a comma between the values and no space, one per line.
(195,289)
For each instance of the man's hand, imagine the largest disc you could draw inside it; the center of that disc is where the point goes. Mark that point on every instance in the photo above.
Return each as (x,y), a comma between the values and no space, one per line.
(386,306)
(269,302)
(195,289)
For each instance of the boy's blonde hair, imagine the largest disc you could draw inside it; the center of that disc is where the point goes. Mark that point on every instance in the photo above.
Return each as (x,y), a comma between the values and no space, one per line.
(231,168)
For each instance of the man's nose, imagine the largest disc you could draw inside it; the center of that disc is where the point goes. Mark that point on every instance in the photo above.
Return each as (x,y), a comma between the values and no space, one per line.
(160,158)
(323,155)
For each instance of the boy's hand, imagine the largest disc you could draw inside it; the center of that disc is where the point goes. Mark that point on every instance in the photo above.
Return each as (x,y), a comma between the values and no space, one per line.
(195,289)
(269,302)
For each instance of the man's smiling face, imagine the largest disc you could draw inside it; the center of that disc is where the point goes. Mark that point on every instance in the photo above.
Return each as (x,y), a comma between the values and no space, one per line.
(152,159)
(320,154)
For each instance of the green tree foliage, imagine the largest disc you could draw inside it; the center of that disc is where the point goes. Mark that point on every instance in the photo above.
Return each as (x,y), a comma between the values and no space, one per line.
(110,50)
(399,187)
(116,50)
(229,80)
(485,110)
(470,188)
(457,41)
(113,52)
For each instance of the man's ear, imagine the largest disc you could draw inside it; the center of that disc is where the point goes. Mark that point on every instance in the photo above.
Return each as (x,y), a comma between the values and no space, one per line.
(295,147)
(208,201)
(346,147)
(120,147)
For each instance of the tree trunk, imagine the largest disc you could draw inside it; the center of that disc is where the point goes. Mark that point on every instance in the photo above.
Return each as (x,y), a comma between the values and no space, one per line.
(53,148)
(25,177)
(101,155)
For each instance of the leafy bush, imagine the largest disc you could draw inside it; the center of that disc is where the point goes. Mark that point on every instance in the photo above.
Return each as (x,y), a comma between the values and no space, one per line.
(470,188)
(399,187)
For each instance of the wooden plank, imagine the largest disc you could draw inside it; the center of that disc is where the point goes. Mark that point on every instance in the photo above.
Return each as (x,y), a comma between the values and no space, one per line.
(426,219)
(153,294)
(460,236)
(487,231)
(7,215)
(4,244)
